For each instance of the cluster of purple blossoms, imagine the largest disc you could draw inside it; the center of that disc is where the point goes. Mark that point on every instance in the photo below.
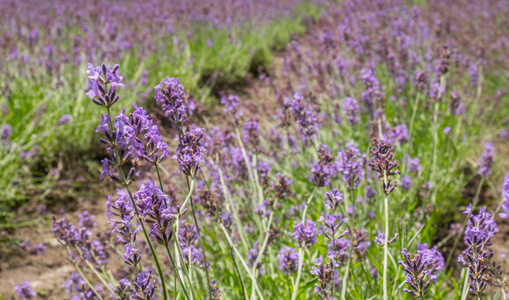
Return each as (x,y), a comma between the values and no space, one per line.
(37,249)
(143,136)
(86,219)
(372,96)
(333,199)
(380,239)
(414,164)
(215,292)
(251,135)
(77,288)
(324,168)
(231,105)
(485,162)
(174,102)
(252,255)
(155,208)
(288,260)
(134,135)
(421,269)
(131,256)
(68,235)
(24,291)
(6,132)
(123,209)
(188,239)
(351,109)
(327,279)
(350,163)
(505,197)
(123,289)
(305,233)
(98,80)
(191,152)
(398,134)
(478,234)
(382,161)
(144,286)
(305,116)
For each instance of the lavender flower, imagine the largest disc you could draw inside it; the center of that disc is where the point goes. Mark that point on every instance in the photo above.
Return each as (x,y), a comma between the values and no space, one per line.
(6,132)
(351,109)
(174,102)
(123,289)
(324,168)
(485,162)
(98,80)
(77,288)
(231,105)
(414,164)
(305,233)
(131,255)
(24,290)
(380,239)
(478,234)
(86,220)
(333,199)
(215,292)
(144,286)
(191,152)
(305,116)
(65,119)
(349,163)
(324,274)
(382,162)
(251,135)
(421,269)
(288,260)
(406,182)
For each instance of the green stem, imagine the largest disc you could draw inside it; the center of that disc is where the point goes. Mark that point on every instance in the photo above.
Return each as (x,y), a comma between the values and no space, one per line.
(244,264)
(201,240)
(386,247)
(299,272)
(147,238)
(414,111)
(86,279)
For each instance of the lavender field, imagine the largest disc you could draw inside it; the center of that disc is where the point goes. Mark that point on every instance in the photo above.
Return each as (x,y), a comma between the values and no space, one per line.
(240,149)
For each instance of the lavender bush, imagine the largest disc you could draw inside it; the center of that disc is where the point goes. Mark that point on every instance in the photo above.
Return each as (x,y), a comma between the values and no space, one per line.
(336,190)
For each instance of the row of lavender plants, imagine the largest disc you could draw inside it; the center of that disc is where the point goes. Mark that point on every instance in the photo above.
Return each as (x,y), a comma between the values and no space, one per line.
(44,46)
(335,189)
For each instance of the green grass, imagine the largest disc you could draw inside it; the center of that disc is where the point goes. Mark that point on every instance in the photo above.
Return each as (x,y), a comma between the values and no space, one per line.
(36,100)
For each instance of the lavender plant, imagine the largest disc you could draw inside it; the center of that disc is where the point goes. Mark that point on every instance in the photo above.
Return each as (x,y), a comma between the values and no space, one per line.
(251,211)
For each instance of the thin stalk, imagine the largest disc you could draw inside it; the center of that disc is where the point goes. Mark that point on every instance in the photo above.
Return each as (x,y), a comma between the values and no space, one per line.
(244,264)
(85,278)
(147,238)
(386,246)
(502,289)
(160,182)
(265,241)
(92,267)
(201,240)
(299,272)
(176,276)
(464,292)
(233,210)
(307,204)
(414,111)
(246,159)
